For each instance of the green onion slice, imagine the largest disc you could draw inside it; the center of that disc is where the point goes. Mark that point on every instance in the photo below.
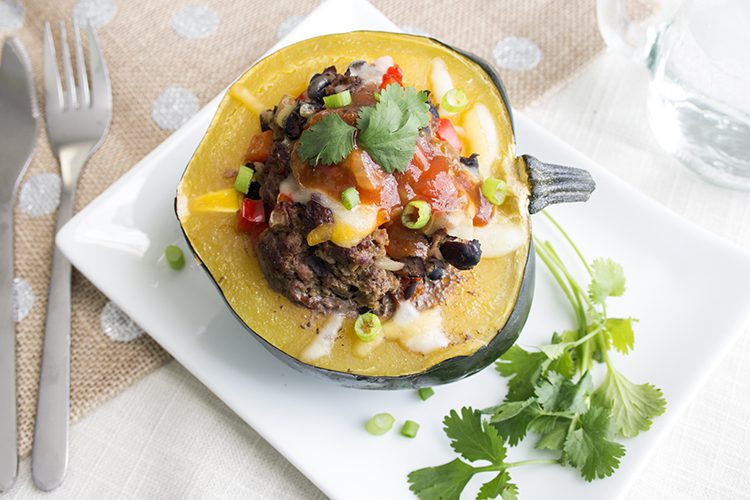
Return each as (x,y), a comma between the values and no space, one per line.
(410,429)
(338,100)
(243,179)
(350,198)
(174,256)
(367,327)
(494,190)
(416,214)
(380,424)
(426,393)
(454,100)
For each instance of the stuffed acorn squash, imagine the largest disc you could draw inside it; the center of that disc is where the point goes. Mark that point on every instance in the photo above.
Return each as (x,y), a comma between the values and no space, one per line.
(358,202)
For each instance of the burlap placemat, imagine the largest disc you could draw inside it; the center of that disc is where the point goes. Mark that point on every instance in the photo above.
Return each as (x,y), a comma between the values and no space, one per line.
(199,46)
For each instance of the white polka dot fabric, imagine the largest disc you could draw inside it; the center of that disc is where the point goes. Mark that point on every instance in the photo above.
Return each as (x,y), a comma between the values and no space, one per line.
(11,15)
(96,12)
(517,54)
(40,194)
(117,325)
(23,299)
(174,107)
(195,21)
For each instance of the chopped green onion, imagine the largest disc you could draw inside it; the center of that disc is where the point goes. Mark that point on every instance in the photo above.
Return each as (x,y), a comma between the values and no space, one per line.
(338,100)
(174,257)
(244,178)
(454,100)
(494,190)
(350,198)
(416,214)
(410,429)
(367,327)
(380,424)
(426,393)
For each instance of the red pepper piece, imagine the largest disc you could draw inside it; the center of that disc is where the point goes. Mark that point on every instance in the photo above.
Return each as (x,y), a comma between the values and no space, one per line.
(447,133)
(250,216)
(392,75)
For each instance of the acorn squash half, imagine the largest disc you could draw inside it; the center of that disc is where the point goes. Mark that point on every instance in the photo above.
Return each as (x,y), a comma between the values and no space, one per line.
(482,315)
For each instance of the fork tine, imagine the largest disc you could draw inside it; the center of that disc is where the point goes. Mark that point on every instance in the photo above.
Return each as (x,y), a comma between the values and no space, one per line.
(52,88)
(101,92)
(83,78)
(71,96)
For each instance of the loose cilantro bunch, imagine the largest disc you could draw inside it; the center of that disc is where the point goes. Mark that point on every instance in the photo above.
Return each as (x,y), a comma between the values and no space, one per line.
(387,131)
(551,394)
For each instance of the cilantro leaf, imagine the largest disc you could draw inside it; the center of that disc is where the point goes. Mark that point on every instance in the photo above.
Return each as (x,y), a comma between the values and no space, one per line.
(589,448)
(444,482)
(555,393)
(411,102)
(607,280)
(621,333)
(389,136)
(524,367)
(514,429)
(329,141)
(507,410)
(472,438)
(633,406)
(499,486)
(553,430)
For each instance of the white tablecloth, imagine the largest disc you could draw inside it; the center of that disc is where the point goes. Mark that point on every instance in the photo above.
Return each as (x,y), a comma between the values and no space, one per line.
(167,437)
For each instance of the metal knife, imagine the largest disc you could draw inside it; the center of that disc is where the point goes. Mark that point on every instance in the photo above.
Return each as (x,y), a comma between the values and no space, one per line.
(18,130)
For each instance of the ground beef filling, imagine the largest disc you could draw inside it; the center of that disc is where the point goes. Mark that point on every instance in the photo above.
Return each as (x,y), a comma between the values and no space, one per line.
(326,277)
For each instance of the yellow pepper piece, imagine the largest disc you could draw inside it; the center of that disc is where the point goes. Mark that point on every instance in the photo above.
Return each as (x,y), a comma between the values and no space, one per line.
(225,200)
(320,234)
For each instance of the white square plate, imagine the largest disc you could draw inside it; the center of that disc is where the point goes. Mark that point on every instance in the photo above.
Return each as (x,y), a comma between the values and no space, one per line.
(689,289)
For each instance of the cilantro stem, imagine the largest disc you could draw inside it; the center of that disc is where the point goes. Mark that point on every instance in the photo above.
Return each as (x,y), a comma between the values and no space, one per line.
(533,461)
(541,251)
(565,235)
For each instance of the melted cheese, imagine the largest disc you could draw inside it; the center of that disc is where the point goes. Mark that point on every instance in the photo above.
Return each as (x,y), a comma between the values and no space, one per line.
(482,137)
(323,342)
(418,331)
(349,226)
(440,80)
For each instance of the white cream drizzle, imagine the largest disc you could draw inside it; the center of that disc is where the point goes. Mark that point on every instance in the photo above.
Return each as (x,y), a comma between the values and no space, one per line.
(323,343)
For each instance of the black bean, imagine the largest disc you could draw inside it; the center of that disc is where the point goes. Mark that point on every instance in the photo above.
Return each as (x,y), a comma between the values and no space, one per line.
(470,161)
(410,289)
(317,86)
(294,123)
(461,254)
(436,269)
(318,265)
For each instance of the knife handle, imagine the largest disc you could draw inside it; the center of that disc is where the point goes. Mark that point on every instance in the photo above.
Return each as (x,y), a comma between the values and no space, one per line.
(49,455)
(8,440)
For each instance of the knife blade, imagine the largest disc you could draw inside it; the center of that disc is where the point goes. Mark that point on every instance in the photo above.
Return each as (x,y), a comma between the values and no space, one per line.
(18,130)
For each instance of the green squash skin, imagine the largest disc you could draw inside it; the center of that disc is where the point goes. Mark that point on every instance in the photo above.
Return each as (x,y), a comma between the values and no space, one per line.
(449,370)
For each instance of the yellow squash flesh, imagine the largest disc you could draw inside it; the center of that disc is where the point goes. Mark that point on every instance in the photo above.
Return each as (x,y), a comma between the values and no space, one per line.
(474,311)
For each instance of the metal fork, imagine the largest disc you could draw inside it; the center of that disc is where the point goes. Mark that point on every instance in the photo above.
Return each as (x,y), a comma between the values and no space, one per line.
(78,118)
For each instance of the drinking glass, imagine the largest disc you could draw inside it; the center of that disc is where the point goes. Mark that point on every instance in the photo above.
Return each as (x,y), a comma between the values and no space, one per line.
(698,53)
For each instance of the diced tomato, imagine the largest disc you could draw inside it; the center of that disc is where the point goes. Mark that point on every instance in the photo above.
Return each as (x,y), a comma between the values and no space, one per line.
(251,216)
(447,133)
(395,70)
(392,75)
(260,147)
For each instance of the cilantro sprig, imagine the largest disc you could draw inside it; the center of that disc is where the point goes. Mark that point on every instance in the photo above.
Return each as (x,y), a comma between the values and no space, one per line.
(387,131)
(552,396)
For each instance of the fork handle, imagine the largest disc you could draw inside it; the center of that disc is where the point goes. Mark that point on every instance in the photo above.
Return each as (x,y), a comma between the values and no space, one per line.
(8,446)
(49,459)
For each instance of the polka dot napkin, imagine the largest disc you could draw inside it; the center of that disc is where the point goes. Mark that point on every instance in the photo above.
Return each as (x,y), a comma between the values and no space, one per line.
(169,58)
